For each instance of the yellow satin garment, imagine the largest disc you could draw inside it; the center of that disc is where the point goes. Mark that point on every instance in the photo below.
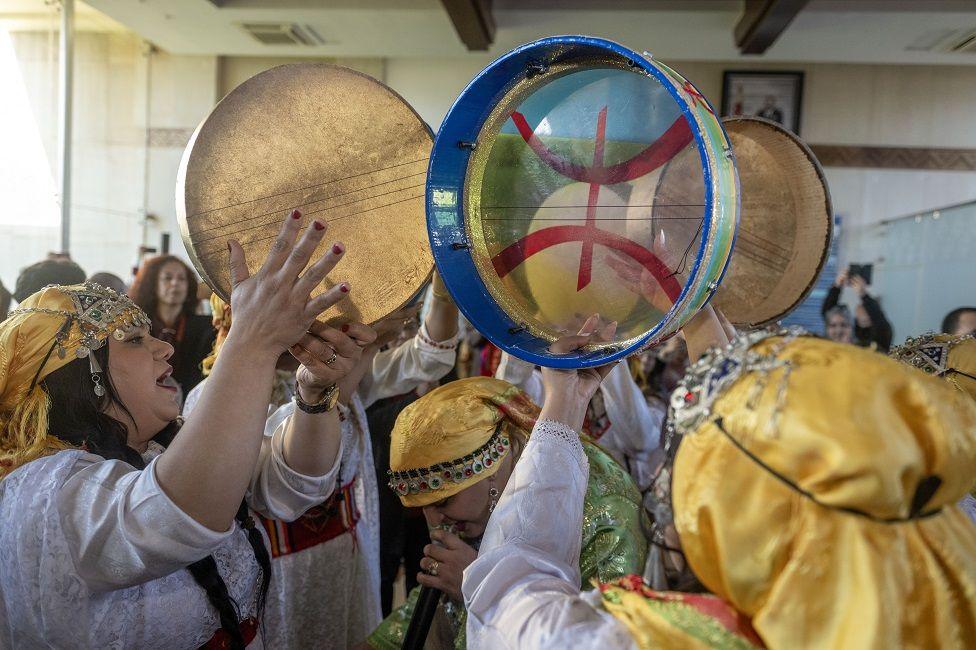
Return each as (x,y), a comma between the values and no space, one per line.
(856,431)
(962,357)
(221,322)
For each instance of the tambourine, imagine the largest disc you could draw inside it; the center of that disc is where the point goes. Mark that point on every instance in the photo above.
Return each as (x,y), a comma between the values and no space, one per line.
(339,146)
(576,176)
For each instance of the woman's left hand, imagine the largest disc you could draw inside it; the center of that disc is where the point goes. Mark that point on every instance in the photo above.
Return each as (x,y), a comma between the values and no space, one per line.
(327,355)
(448,560)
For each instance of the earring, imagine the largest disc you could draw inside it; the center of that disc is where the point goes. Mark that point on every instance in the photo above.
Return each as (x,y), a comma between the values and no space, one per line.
(96,375)
(492,495)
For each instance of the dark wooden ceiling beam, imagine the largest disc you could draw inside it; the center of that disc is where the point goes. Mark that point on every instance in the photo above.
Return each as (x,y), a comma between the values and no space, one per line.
(473,22)
(763,21)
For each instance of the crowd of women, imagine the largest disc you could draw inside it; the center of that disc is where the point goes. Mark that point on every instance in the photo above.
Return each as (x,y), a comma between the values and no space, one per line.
(172,480)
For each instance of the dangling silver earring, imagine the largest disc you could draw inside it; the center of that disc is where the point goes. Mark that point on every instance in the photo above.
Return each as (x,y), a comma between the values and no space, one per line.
(492,495)
(96,374)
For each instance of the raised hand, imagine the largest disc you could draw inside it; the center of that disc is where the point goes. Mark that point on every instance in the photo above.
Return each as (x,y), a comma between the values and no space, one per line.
(841,278)
(273,309)
(859,285)
(328,355)
(568,392)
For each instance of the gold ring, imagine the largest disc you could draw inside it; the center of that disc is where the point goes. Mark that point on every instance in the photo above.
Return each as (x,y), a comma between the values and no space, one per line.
(432,569)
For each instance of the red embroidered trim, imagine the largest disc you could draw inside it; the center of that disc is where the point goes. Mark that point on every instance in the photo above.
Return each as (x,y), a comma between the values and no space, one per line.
(337,516)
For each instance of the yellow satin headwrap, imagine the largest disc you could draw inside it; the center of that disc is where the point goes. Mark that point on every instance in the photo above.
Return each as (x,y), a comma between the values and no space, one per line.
(857,432)
(221,323)
(449,423)
(50,329)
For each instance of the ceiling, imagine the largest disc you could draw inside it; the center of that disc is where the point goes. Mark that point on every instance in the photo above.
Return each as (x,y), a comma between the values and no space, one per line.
(842,31)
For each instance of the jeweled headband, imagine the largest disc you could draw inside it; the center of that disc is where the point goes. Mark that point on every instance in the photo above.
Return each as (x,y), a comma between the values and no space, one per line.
(706,379)
(929,352)
(98,313)
(430,479)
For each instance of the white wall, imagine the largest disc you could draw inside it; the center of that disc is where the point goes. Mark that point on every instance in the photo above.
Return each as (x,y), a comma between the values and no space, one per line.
(109,172)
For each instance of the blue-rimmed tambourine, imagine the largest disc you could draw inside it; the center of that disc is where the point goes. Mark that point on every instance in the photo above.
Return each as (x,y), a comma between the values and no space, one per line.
(575,176)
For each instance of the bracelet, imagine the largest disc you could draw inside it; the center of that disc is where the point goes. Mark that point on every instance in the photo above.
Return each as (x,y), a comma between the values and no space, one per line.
(435,344)
(324,405)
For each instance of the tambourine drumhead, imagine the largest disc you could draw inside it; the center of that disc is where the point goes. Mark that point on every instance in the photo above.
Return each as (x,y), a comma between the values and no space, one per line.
(334,143)
(547,200)
(785,224)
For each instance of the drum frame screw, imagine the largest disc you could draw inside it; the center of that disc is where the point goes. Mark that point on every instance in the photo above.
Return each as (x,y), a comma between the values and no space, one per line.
(464,144)
(460,246)
(535,68)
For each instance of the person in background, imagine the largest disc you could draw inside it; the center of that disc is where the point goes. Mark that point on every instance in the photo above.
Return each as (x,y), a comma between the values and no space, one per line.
(838,324)
(869,328)
(50,271)
(960,321)
(110,281)
(4,301)
(166,289)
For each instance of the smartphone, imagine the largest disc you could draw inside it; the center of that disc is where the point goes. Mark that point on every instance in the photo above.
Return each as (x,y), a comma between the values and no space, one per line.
(863,270)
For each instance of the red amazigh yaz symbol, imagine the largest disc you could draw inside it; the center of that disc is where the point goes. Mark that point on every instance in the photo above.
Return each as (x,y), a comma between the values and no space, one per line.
(676,138)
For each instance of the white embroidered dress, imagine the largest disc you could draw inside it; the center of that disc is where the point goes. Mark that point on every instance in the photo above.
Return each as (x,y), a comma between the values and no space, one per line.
(94,552)
(328,595)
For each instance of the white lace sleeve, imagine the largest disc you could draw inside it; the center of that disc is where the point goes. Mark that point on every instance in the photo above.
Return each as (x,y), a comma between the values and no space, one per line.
(407,366)
(279,492)
(523,590)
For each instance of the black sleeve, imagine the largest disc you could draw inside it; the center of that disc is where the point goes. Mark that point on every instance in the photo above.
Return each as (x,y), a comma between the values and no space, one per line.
(880,330)
(833,297)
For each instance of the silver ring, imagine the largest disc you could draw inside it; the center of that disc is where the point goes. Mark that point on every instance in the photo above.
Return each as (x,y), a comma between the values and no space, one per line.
(432,569)
(332,359)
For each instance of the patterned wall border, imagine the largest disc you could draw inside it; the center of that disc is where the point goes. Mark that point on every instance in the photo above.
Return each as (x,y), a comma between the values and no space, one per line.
(829,155)
(930,158)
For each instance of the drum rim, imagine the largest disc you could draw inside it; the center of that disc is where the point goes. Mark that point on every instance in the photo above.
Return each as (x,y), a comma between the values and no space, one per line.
(447,172)
(805,149)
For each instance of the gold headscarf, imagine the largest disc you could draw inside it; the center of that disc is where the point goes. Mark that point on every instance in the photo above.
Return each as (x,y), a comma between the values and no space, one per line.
(50,329)
(951,357)
(455,436)
(815,492)
(221,323)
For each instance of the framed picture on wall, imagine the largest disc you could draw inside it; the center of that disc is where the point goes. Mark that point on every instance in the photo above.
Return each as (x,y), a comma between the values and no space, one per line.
(775,96)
